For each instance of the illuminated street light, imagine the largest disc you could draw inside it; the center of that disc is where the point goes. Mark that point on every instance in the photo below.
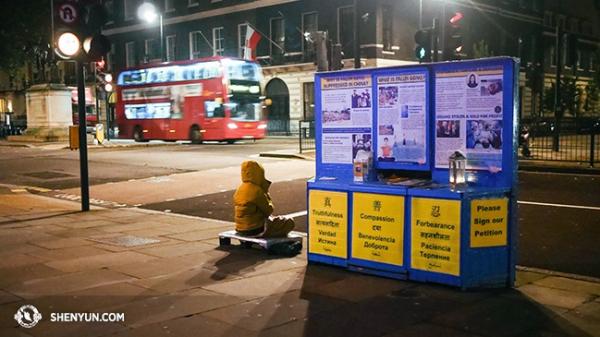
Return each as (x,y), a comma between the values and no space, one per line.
(147,12)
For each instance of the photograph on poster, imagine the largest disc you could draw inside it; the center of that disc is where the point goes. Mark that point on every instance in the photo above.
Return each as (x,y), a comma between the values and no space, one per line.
(472,81)
(404,111)
(336,116)
(484,134)
(447,129)
(361,99)
(388,96)
(491,87)
(361,146)
(386,130)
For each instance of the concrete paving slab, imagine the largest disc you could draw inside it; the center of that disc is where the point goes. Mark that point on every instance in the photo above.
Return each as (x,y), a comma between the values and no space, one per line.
(205,234)
(183,280)
(274,310)
(176,249)
(570,284)
(26,273)
(526,277)
(18,260)
(61,243)
(428,329)
(167,307)
(67,253)
(193,326)
(260,286)
(95,262)
(55,329)
(8,297)
(589,309)
(357,287)
(65,283)
(501,316)
(580,324)
(556,297)
(165,266)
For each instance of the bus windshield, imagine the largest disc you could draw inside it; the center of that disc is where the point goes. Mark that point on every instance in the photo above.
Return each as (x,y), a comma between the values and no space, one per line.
(242,70)
(244,108)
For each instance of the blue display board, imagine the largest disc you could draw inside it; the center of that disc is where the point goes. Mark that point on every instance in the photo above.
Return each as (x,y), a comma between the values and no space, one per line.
(406,222)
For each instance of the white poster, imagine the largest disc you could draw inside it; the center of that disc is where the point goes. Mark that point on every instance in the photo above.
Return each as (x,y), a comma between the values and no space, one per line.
(401,119)
(347,110)
(469,118)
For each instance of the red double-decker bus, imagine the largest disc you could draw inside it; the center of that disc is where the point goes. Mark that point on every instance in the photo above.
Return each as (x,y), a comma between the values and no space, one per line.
(206,99)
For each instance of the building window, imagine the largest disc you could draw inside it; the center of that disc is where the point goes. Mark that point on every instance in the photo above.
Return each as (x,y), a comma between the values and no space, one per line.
(242,29)
(579,60)
(277,35)
(552,56)
(386,25)
(309,100)
(169,5)
(130,57)
(192,3)
(170,44)
(195,42)
(344,28)
(548,19)
(592,62)
(110,58)
(130,8)
(573,25)
(310,24)
(151,50)
(560,20)
(109,7)
(217,36)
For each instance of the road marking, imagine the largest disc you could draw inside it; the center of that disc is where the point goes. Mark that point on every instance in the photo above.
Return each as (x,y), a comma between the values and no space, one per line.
(558,205)
(297,214)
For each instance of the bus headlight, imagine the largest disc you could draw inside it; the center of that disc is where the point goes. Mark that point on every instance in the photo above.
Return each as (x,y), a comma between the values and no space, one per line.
(232,126)
(262,126)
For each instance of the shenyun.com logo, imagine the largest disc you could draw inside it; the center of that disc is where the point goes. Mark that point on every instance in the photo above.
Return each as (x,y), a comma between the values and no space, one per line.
(28,316)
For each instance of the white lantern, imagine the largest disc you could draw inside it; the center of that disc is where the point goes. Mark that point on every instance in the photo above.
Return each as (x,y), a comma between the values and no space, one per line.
(457,170)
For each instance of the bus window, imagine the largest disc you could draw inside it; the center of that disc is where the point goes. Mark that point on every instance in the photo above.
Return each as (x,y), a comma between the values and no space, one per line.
(213,109)
(244,109)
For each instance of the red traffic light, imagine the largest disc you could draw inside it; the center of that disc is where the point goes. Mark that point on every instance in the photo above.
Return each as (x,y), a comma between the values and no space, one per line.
(456,18)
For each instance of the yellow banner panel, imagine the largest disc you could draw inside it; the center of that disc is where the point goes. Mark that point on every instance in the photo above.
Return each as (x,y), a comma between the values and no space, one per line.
(328,223)
(435,235)
(489,222)
(378,228)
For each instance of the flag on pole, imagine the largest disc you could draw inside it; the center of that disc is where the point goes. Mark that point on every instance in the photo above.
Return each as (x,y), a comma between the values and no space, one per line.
(252,38)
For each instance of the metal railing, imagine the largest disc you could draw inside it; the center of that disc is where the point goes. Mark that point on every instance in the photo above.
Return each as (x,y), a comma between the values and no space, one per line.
(576,140)
(306,136)
(278,127)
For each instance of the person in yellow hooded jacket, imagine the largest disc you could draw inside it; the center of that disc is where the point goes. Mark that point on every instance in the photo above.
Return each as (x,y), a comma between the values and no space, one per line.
(254,206)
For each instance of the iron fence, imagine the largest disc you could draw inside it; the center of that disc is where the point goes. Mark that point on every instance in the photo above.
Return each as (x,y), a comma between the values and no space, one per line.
(278,127)
(306,135)
(571,140)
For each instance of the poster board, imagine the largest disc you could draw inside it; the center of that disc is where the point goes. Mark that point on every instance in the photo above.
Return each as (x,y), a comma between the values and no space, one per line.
(401,126)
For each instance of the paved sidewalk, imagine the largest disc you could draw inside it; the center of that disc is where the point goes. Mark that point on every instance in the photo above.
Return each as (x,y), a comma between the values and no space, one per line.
(181,284)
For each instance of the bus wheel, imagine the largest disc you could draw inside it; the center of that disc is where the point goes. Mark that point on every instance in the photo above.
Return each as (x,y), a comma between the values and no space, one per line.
(195,135)
(138,134)
(231,141)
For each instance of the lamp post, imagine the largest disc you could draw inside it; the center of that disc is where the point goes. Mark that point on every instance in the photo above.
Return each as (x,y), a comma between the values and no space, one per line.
(147,12)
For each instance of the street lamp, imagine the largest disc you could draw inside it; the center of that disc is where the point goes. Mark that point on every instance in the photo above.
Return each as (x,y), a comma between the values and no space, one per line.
(147,12)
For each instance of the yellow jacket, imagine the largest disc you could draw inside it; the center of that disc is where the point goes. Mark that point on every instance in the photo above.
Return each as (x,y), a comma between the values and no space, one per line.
(251,200)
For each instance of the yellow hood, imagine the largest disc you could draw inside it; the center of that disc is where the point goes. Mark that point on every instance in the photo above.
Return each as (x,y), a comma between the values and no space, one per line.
(253,172)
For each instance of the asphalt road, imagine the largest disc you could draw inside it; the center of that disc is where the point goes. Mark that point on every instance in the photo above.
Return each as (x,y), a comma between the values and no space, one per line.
(559,214)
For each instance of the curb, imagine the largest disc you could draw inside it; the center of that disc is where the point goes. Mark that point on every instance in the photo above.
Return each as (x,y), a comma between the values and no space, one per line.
(285,155)
(525,165)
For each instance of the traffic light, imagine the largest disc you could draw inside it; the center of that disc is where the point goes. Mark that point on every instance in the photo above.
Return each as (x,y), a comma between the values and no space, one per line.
(104,80)
(453,42)
(77,29)
(423,48)
(337,56)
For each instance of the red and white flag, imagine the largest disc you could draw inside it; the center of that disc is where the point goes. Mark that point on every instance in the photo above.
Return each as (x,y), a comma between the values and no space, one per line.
(252,38)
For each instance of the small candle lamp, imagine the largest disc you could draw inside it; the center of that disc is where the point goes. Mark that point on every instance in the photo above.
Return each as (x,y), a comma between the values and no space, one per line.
(457,170)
